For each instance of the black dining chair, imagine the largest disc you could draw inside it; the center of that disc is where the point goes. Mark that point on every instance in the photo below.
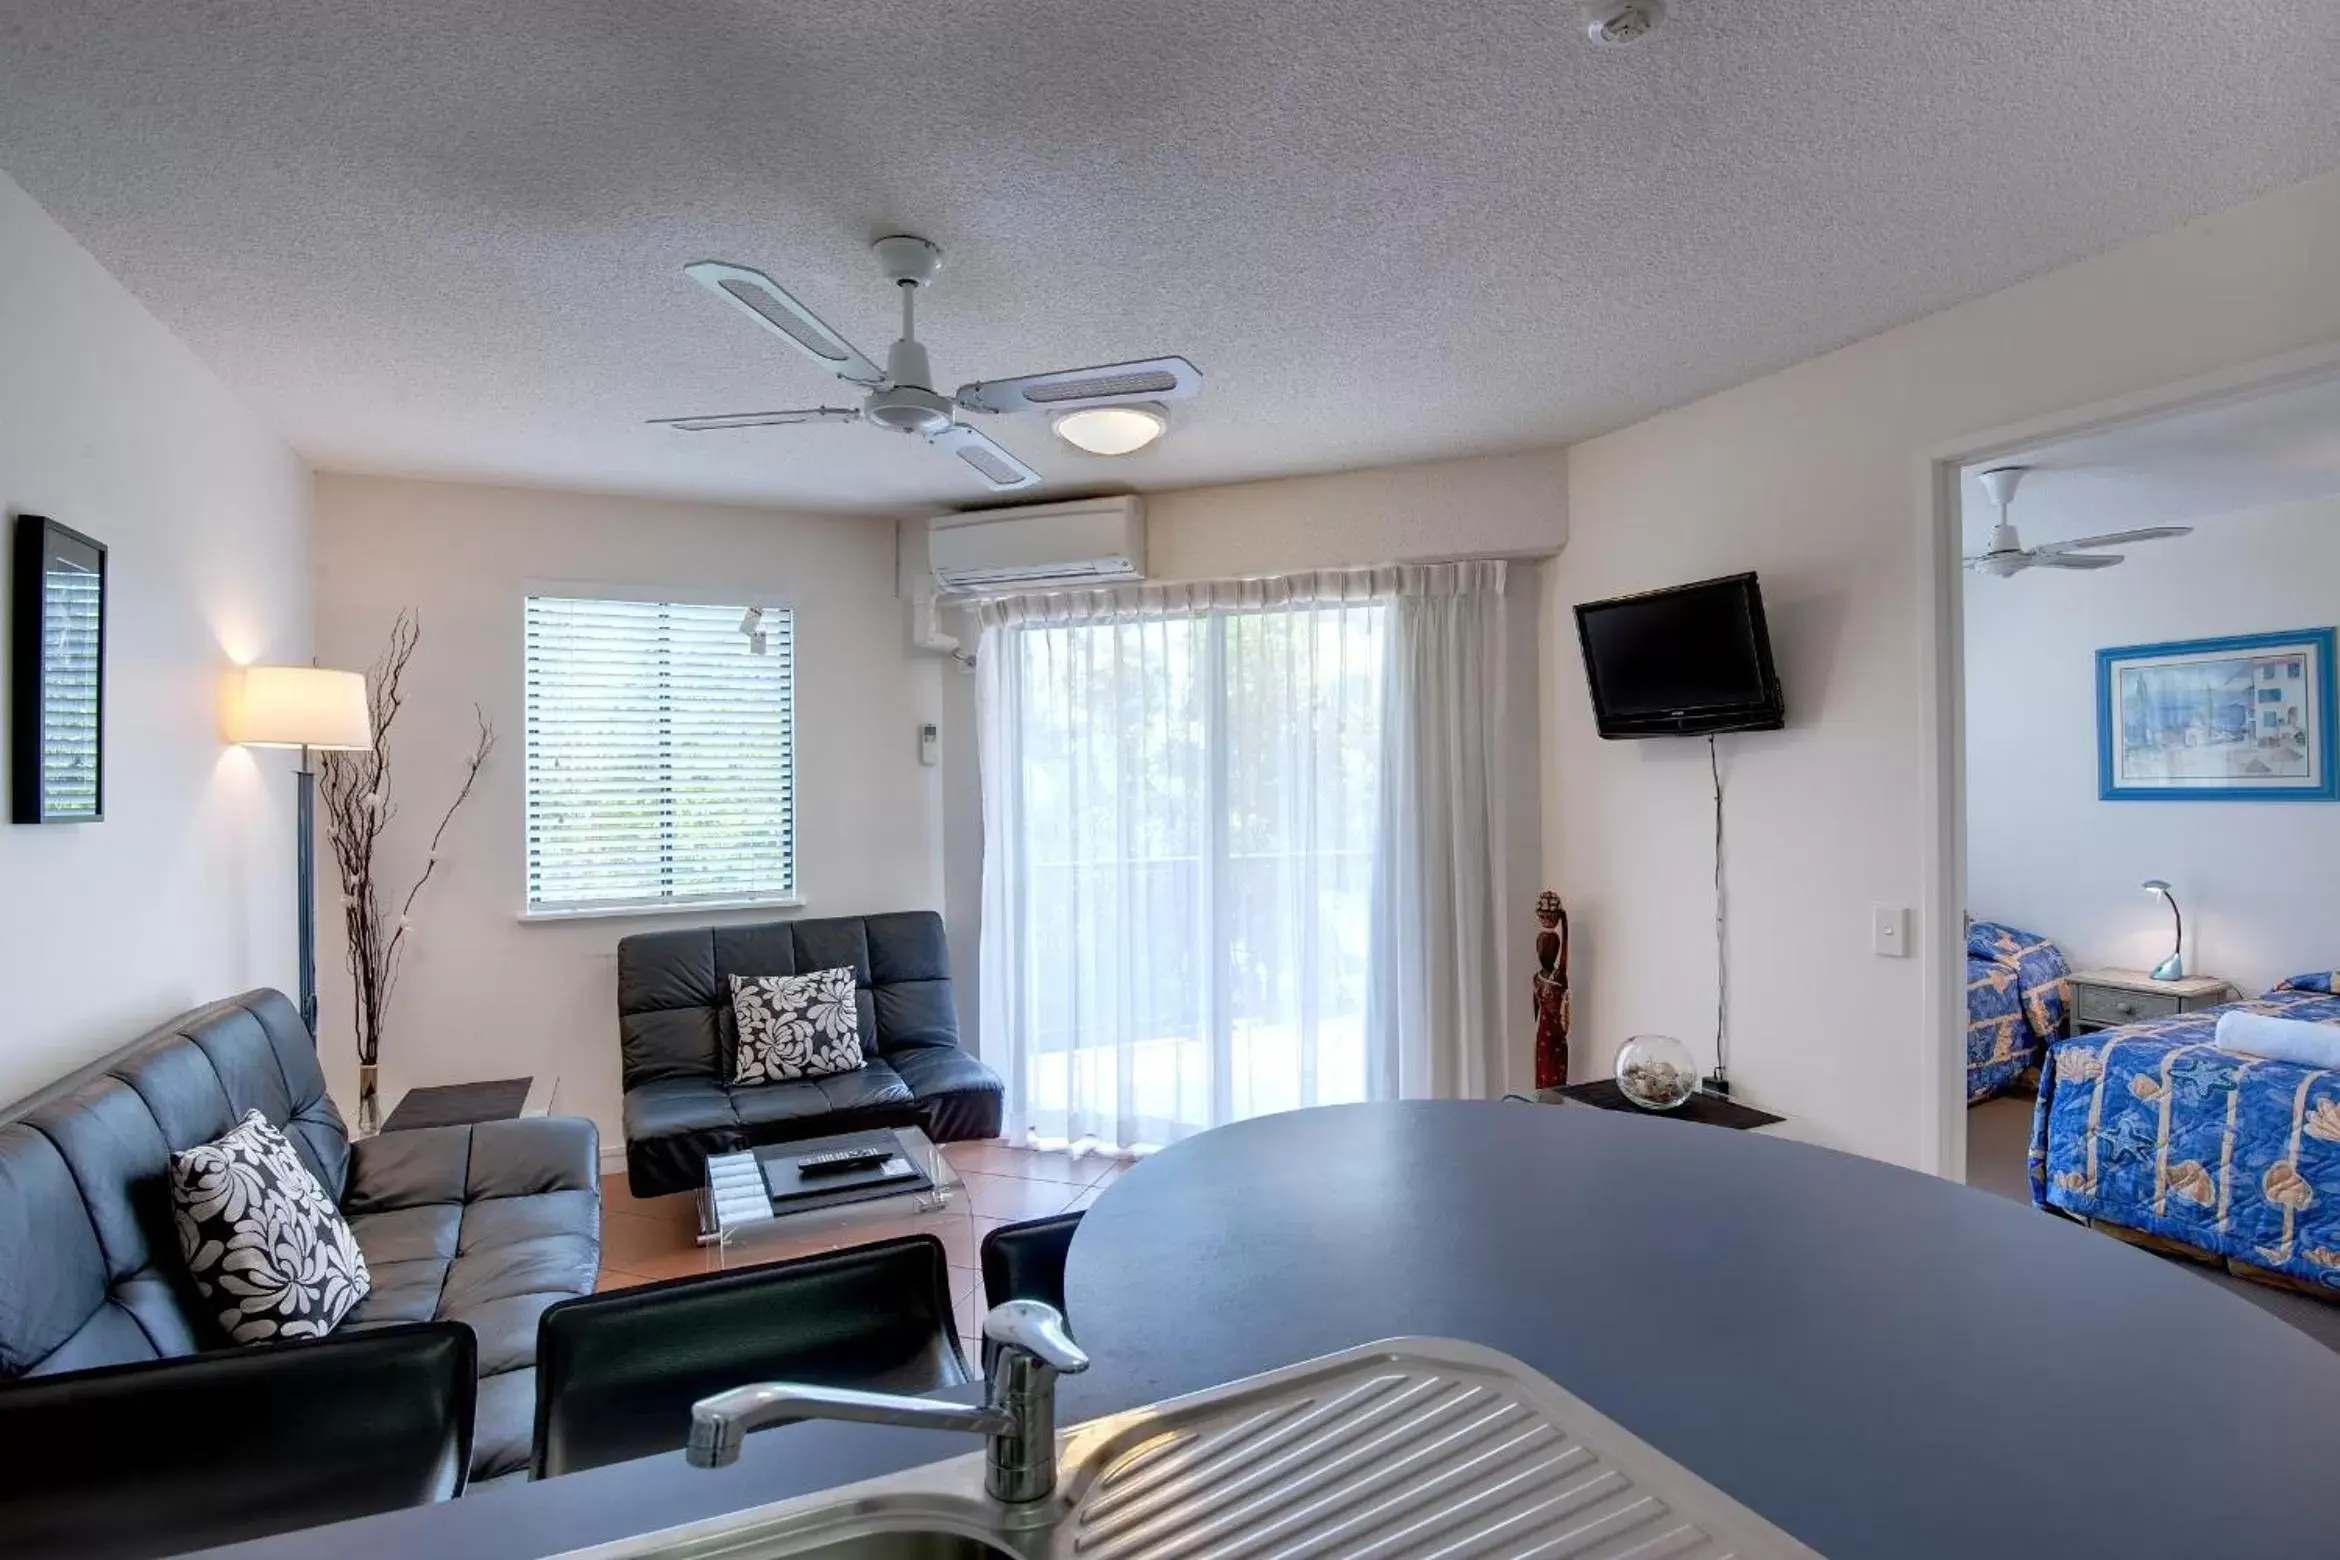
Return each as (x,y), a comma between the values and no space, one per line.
(616,1374)
(164,1456)
(1026,1261)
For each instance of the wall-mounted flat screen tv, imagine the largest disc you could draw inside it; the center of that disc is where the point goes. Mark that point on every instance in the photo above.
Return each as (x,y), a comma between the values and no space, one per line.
(1684,662)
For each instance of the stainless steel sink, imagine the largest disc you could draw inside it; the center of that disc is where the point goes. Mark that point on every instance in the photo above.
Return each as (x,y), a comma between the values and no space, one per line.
(1414,1447)
(924,1514)
(905,1546)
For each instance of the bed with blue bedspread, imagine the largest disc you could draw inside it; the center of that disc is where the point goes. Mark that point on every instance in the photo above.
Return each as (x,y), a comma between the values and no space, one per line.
(2016,996)
(2151,1129)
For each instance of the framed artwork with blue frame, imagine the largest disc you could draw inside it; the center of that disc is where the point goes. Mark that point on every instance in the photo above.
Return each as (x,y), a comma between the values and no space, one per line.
(2246,719)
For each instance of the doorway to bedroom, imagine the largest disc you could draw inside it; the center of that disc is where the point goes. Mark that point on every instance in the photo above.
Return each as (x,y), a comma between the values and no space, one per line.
(2147,616)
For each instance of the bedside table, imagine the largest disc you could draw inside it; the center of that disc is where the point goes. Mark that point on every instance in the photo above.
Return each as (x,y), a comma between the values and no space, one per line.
(2107,998)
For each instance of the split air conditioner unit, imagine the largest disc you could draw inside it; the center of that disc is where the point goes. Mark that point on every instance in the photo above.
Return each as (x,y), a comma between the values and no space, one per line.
(1090,541)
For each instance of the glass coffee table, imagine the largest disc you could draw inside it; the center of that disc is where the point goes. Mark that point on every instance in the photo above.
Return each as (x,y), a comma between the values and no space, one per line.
(741,1215)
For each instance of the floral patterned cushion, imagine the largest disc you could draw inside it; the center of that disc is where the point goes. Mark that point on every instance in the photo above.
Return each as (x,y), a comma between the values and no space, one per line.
(264,1242)
(795,1026)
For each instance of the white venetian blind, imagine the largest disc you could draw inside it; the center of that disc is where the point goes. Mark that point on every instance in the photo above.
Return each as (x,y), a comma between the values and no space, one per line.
(661,763)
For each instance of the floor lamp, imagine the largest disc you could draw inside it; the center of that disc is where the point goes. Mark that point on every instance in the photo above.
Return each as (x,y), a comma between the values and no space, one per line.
(313,709)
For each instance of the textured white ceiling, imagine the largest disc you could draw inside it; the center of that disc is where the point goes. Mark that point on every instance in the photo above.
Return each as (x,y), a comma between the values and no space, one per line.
(2278,447)
(444,238)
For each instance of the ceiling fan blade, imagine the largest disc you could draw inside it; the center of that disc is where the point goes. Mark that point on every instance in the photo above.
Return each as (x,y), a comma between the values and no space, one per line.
(769,305)
(2117,538)
(719,421)
(2049,560)
(994,465)
(1110,384)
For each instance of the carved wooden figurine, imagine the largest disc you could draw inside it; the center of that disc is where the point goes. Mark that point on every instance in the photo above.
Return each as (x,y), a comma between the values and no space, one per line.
(1551,991)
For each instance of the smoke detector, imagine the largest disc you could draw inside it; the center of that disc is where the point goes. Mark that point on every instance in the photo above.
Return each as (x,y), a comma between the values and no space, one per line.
(1616,23)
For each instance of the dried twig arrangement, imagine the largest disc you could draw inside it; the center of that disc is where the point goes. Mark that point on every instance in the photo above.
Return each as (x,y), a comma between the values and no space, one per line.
(355,791)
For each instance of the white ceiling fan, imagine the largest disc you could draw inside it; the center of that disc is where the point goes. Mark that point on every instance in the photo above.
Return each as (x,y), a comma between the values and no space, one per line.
(2007,555)
(902,398)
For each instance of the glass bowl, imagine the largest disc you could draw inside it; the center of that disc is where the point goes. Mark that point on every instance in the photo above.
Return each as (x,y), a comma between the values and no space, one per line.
(1656,1072)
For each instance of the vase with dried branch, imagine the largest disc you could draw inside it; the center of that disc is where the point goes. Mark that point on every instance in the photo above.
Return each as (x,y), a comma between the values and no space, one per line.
(359,809)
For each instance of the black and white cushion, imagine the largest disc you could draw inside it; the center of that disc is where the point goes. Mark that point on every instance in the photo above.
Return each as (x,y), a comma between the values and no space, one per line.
(265,1244)
(795,1026)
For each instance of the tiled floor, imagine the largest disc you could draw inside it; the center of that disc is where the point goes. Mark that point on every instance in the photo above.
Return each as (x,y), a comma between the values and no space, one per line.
(654,1238)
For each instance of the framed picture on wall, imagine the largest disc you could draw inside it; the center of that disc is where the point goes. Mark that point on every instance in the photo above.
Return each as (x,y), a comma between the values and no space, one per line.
(57,682)
(2217,720)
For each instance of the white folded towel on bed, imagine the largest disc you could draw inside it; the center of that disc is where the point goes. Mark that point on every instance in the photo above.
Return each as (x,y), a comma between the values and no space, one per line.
(2284,1039)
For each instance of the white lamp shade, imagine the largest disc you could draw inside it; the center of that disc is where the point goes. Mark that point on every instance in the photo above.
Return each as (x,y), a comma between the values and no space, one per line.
(299,706)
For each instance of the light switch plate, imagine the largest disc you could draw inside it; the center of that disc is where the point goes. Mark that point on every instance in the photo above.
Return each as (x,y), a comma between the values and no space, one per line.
(1889,931)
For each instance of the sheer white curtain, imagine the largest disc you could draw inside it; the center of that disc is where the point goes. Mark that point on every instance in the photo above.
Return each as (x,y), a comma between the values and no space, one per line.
(1239,847)
(1434,1018)
(1181,802)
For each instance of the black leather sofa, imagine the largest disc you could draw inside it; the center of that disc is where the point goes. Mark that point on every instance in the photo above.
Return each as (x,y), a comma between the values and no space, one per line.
(486,1225)
(676,1028)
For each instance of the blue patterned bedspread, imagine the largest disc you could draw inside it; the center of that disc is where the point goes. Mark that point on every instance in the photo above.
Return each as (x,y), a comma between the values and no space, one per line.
(2151,1127)
(2015,1000)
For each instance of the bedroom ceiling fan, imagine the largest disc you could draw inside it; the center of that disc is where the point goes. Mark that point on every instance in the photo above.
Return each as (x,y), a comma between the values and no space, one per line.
(902,398)
(2007,555)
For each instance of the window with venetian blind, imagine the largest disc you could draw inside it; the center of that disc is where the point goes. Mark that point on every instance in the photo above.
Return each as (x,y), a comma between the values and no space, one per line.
(661,756)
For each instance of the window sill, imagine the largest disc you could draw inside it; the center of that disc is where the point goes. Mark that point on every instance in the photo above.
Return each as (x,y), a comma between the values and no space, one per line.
(674,907)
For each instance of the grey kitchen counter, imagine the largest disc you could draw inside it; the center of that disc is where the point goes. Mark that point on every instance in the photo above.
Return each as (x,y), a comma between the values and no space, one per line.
(1883,1363)
(1887,1365)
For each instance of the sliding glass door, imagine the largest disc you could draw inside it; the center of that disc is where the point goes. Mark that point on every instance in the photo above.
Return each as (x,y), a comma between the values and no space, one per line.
(1188,814)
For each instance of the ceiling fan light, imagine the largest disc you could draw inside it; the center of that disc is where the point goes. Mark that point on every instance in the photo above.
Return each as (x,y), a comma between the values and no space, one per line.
(1112,430)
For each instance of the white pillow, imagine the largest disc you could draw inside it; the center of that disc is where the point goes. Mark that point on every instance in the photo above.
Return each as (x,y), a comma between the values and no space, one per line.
(795,1026)
(265,1244)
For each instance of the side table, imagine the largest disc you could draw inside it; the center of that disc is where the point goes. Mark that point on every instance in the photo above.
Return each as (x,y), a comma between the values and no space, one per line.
(2108,998)
(461,1104)
(1711,1110)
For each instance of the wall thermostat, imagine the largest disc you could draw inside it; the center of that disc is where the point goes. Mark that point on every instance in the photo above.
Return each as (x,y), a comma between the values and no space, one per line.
(929,745)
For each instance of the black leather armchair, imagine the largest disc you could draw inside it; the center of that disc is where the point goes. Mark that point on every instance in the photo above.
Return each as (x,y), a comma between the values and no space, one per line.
(679,1041)
(172,1455)
(617,1374)
(485,1225)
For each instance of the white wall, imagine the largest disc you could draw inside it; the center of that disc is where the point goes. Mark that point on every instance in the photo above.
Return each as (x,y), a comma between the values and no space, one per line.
(1509,506)
(2042,852)
(1495,506)
(183,893)
(485,995)
(1814,476)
